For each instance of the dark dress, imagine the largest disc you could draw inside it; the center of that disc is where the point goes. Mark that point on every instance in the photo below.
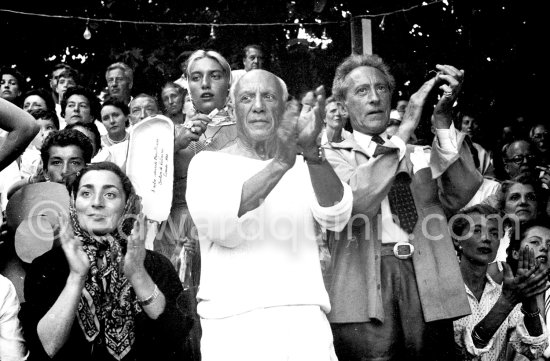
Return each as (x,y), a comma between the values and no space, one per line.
(159,339)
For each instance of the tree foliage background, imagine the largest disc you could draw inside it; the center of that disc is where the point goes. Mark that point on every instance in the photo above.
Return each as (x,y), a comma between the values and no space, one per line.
(497,42)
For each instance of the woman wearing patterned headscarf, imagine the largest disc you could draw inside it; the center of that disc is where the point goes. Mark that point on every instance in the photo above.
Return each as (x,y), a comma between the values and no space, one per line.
(101,295)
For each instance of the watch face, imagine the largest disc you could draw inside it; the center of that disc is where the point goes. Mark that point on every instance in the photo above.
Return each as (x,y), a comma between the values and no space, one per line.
(403,250)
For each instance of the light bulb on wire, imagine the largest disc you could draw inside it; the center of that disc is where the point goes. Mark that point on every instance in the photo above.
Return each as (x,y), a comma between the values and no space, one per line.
(87,33)
(212,33)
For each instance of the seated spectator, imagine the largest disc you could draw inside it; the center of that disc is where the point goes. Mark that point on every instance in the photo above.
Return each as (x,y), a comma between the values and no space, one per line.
(11,85)
(141,107)
(79,105)
(114,116)
(101,295)
(12,344)
(63,154)
(30,159)
(505,320)
(173,97)
(252,58)
(38,99)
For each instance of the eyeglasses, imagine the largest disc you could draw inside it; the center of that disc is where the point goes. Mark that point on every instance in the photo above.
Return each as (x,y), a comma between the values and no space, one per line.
(519,159)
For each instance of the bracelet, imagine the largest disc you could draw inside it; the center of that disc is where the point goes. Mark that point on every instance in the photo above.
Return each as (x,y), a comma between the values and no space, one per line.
(530,314)
(477,339)
(318,160)
(150,299)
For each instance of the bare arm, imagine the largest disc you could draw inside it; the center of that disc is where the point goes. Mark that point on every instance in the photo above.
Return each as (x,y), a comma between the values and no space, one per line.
(21,127)
(529,281)
(54,328)
(134,269)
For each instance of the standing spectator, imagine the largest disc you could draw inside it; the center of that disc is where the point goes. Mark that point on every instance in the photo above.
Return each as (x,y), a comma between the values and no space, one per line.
(36,99)
(120,79)
(378,261)
(173,97)
(335,120)
(540,137)
(12,85)
(114,116)
(261,295)
(68,78)
(54,77)
(79,104)
(253,58)
(141,107)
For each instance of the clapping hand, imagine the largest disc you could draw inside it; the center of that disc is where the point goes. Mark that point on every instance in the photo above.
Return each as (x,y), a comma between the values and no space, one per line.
(78,260)
(530,279)
(450,80)
(135,252)
(310,122)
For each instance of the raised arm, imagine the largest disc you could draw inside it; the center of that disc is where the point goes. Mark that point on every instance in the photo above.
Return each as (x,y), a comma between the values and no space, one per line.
(529,281)
(54,328)
(21,128)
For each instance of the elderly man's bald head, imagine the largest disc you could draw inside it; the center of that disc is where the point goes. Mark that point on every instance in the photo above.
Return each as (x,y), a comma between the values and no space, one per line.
(262,73)
(259,99)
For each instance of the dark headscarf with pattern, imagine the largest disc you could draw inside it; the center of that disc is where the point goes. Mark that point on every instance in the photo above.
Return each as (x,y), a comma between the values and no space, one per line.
(108,304)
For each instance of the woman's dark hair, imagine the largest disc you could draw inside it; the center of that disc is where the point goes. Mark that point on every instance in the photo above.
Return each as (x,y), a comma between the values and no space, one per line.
(127,186)
(42,93)
(65,138)
(114,102)
(95,106)
(461,221)
(92,128)
(45,114)
(515,242)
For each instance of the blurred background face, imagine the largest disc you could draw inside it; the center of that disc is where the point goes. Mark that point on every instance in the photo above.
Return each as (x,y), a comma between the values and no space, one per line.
(208,85)
(254,59)
(33,102)
(333,117)
(90,135)
(9,87)
(63,84)
(114,121)
(521,200)
(469,126)
(100,202)
(172,100)
(541,139)
(46,127)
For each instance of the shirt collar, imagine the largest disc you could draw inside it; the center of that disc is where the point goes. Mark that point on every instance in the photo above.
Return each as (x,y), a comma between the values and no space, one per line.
(364,140)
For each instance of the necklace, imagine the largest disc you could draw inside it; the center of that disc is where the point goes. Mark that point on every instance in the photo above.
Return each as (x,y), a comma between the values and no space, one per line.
(210,139)
(117,141)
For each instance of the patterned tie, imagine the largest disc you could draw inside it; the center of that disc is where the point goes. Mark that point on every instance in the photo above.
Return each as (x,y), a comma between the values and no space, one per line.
(380,148)
(402,202)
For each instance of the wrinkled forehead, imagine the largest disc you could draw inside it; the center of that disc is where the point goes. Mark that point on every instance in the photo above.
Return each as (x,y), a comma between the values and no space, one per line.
(260,80)
(538,231)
